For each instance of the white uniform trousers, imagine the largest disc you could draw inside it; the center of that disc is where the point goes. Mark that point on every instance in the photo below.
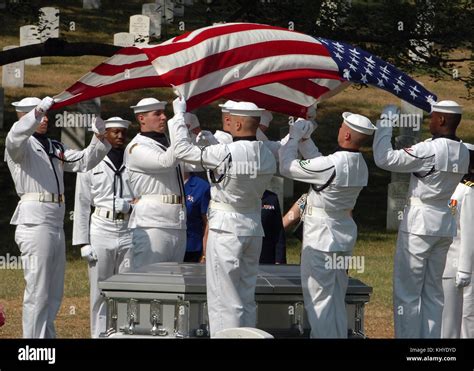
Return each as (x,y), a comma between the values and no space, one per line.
(467,328)
(154,245)
(417,285)
(231,277)
(452,310)
(324,292)
(43,255)
(113,256)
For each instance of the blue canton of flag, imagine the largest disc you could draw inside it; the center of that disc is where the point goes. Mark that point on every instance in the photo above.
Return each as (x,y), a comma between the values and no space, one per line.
(357,65)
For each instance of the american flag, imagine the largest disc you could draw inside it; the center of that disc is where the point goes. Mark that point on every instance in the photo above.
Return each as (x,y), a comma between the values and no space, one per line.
(278,69)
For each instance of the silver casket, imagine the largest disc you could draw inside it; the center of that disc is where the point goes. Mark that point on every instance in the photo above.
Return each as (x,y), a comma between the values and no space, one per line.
(169,300)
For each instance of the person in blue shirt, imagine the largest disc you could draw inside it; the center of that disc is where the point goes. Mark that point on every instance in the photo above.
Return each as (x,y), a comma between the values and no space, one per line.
(274,242)
(198,194)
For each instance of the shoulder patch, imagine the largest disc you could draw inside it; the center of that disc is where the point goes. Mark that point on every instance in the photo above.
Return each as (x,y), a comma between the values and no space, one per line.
(131,148)
(304,162)
(468,183)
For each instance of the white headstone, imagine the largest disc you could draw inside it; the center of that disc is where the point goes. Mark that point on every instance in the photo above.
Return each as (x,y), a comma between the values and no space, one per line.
(243,333)
(76,124)
(30,35)
(90,4)
(13,74)
(140,28)
(166,8)
(2,106)
(124,39)
(48,23)
(396,200)
(179,8)
(153,11)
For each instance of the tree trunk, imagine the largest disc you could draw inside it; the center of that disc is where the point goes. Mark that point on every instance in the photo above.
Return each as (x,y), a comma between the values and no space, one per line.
(57,48)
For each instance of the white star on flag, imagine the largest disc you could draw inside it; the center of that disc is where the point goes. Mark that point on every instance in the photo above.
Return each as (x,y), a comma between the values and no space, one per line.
(346,74)
(400,81)
(354,51)
(380,83)
(397,88)
(370,60)
(364,79)
(368,71)
(412,93)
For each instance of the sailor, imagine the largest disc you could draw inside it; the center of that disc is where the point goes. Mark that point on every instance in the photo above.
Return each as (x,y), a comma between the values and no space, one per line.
(158,218)
(460,259)
(104,237)
(428,226)
(224,135)
(240,172)
(198,194)
(329,233)
(37,164)
(274,241)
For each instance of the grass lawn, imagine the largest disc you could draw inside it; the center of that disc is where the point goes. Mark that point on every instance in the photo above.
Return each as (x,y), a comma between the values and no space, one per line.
(57,73)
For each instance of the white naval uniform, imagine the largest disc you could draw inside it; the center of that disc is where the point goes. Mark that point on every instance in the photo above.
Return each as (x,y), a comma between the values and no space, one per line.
(460,257)
(158,218)
(329,232)
(427,228)
(235,228)
(223,137)
(39,233)
(110,237)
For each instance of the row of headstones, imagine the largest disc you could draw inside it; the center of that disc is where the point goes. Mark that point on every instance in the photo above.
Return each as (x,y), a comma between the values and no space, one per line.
(148,24)
(48,27)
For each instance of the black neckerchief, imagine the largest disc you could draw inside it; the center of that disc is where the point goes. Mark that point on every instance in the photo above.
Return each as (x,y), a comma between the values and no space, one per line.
(158,137)
(43,139)
(116,156)
(447,136)
(468,178)
(339,148)
(250,137)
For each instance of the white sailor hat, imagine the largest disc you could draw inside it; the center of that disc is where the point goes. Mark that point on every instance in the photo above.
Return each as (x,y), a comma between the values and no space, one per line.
(358,123)
(148,104)
(246,109)
(116,122)
(446,106)
(26,104)
(225,107)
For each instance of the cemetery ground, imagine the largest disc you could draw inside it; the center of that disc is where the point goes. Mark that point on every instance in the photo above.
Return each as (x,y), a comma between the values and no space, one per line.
(55,74)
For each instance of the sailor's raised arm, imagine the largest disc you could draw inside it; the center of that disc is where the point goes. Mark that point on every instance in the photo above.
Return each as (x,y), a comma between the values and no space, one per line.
(25,127)
(407,160)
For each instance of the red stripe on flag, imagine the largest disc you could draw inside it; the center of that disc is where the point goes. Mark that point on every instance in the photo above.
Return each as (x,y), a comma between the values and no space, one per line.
(239,55)
(84,92)
(307,87)
(278,76)
(111,70)
(167,49)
